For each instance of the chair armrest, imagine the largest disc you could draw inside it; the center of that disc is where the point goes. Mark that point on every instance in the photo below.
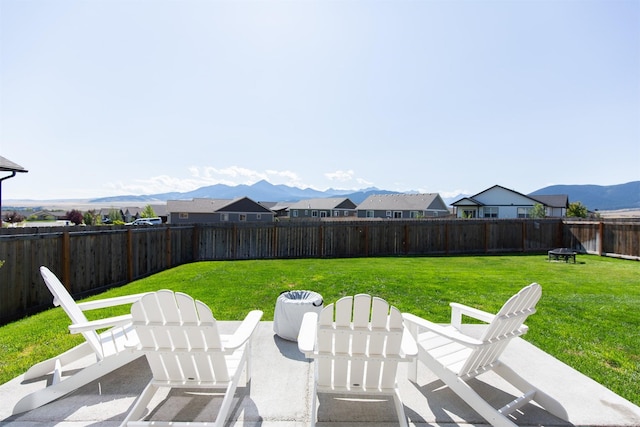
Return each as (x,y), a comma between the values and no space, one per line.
(245,330)
(458,310)
(100,324)
(307,334)
(132,344)
(110,302)
(452,334)
(408,345)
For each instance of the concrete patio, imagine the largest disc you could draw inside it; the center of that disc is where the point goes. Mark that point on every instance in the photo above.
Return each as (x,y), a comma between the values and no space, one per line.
(279,396)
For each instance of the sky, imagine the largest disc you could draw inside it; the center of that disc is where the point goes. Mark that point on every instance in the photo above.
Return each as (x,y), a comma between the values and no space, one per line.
(111,97)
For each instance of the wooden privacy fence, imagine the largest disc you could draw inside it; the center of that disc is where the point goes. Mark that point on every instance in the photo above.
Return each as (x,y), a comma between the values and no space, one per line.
(91,259)
(612,238)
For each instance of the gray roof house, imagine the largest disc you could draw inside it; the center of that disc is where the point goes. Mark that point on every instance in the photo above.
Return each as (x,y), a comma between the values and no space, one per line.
(555,204)
(403,206)
(280,209)
(330,207)
(134,212)
(501,202)
(106,213)
(207,211)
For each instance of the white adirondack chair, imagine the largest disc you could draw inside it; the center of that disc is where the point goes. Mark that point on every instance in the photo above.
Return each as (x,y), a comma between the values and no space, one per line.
(180,339)
(359,351)
(456,357)
(108,346)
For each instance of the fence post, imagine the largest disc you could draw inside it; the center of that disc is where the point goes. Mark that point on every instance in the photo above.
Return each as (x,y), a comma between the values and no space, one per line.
(405,239)
(274,243)
(366,240)
(486,237)
(446,237)
(234,242)
(168,244)
(66,260)
(560,236)
(524,236)
(320,241)
(130,254)
(197,230)
(600,238)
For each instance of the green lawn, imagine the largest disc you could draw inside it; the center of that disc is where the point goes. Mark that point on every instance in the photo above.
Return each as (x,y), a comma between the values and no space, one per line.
(588,317)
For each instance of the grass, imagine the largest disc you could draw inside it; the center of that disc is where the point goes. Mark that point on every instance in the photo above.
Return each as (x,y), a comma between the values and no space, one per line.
(588,316)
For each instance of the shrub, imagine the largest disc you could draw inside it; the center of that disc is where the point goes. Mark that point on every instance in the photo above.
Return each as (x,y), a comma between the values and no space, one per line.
(148,212)
(577,209)
(13,217)
(75,216)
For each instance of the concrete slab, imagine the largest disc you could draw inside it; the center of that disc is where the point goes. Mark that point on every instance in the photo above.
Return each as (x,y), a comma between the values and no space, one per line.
(280,391)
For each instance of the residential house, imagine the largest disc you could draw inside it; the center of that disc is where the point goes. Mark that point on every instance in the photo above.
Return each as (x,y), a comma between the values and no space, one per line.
(330,207)
(501,202)
(207,211)
(403,206)
(44,215)
(132,213)
(161,211)
(106,214)
(280,209)
(556,205)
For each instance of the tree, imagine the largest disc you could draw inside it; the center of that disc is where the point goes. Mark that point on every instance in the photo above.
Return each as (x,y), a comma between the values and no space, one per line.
(75,216)
(538,211)
(148,212)
(13,217)
(91,217)
(115,217)
(577,210)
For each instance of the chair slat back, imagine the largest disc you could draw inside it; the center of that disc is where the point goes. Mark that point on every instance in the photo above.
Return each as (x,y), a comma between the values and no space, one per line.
(62,298)
(358,344)
(505,326)
(180,338)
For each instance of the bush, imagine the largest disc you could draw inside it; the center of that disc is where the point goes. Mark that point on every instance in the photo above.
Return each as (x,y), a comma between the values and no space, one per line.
(577,209)
(538,211)
(148,212)
(90,217)
(13,217)
(75,216)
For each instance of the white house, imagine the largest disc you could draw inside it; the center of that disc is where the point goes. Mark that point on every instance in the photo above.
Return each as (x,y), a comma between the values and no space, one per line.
(501,202)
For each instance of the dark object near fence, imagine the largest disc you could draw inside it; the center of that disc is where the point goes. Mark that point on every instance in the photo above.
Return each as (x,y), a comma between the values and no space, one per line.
(565,253)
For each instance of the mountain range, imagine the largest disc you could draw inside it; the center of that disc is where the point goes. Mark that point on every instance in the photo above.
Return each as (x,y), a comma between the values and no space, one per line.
(599,197)
(594,197)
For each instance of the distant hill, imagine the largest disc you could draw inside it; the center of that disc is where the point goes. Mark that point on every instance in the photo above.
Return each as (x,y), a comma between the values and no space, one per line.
(598,197)
(622,196)
(261,191)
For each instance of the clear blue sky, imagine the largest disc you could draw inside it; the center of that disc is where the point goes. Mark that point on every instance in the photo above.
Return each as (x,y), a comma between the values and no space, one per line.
(110,97)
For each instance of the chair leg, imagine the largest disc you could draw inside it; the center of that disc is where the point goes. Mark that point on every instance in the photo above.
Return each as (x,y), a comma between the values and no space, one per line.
(229,395)
(550,404)
(402,418)
(314,398)
(75,381)
(247,357)
(47,366)
(473,399)
(140,405)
